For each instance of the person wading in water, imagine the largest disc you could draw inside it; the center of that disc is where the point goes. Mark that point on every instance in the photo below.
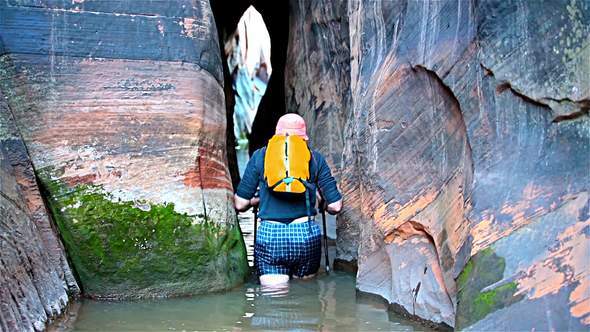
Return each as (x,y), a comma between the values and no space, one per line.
(287,174)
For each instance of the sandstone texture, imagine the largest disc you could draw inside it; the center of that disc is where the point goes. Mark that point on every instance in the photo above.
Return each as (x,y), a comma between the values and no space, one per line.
(121,108)
(458,131)
(36,282)
(317,79)
(465,153)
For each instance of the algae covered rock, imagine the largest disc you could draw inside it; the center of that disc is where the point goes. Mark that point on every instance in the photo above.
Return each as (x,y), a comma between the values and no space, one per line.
(125,249)
(126,132)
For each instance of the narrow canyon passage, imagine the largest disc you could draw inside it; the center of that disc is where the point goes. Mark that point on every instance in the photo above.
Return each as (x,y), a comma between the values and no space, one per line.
(456,130)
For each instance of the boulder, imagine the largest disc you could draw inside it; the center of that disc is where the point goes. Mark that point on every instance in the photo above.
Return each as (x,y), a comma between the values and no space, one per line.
(121,108)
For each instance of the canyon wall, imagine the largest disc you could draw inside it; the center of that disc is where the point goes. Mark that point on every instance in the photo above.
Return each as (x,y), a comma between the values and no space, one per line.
(121,108)
(464,154)
(458,131)
(36,282)
(317,86)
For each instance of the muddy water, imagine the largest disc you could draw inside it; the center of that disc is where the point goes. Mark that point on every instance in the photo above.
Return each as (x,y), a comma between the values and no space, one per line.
(328,303)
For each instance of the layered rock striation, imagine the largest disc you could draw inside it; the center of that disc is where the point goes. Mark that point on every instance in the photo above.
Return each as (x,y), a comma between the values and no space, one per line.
(121,108)
(458,131)
(36,282)
(464,157)
(318,87)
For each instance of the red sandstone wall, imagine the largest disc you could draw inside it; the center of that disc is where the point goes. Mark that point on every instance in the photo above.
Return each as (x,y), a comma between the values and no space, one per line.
(464,160)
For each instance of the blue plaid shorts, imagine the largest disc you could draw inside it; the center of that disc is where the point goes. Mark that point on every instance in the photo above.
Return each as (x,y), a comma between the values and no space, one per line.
(293,249)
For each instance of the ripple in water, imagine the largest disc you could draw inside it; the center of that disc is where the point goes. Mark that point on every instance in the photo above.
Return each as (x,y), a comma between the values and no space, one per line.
(327,303)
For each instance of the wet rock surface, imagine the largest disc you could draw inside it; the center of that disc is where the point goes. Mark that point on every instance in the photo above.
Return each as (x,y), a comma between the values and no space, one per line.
(121,108)
(36,282)
(466,137)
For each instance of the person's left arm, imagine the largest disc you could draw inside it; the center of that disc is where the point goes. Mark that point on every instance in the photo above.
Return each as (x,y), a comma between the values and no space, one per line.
(244,197)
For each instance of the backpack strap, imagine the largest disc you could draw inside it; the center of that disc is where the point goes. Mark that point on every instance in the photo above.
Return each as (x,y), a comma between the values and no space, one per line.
(317,167)
(261,165)
(310,187)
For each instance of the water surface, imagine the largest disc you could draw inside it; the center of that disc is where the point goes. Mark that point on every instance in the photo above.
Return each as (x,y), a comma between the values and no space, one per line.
(326,303)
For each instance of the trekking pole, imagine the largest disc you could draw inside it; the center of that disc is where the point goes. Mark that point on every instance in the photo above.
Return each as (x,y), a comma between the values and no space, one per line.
(323,210)
(255,210)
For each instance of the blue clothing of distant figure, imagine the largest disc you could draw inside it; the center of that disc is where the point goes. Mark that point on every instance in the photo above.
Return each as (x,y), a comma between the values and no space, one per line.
(286,207)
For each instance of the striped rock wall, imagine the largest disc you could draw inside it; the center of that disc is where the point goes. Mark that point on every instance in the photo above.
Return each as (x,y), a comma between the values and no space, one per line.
(121,108)
(464,153)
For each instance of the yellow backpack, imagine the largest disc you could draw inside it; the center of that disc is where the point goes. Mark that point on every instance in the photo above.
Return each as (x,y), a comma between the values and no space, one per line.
(286,164)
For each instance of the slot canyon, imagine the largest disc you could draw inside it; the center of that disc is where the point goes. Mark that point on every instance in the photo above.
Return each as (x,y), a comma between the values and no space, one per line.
(458,132)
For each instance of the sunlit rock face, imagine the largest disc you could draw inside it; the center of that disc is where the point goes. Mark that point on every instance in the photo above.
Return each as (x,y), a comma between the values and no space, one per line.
(35,279)
(248,57)
(121,107)
(464,155)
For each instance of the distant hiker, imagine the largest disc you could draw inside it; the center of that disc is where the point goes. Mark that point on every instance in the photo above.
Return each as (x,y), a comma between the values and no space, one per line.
(287,174)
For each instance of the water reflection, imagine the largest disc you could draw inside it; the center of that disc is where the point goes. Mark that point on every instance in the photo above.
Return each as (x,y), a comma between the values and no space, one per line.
(279,308)
(328,303)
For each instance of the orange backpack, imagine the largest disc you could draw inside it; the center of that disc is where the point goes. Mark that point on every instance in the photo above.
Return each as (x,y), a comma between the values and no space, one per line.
(286,166)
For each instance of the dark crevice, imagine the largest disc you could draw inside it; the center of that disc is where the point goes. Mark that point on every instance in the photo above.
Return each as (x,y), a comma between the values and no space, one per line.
(272,105)
(502,87)
(571,116)
(583,104)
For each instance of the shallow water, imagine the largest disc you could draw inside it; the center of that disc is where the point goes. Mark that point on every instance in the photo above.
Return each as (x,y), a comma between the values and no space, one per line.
(327,303)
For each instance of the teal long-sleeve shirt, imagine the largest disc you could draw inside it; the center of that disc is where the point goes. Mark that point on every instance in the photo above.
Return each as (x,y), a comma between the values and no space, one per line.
(286,207)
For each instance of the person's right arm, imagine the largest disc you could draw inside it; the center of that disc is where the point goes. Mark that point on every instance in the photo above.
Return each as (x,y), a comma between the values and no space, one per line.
(327,184)
(334,208)
(244,197)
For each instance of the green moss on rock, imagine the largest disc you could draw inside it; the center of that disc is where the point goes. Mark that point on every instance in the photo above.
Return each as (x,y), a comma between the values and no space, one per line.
(122,251)
(483,269)
(492,300)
